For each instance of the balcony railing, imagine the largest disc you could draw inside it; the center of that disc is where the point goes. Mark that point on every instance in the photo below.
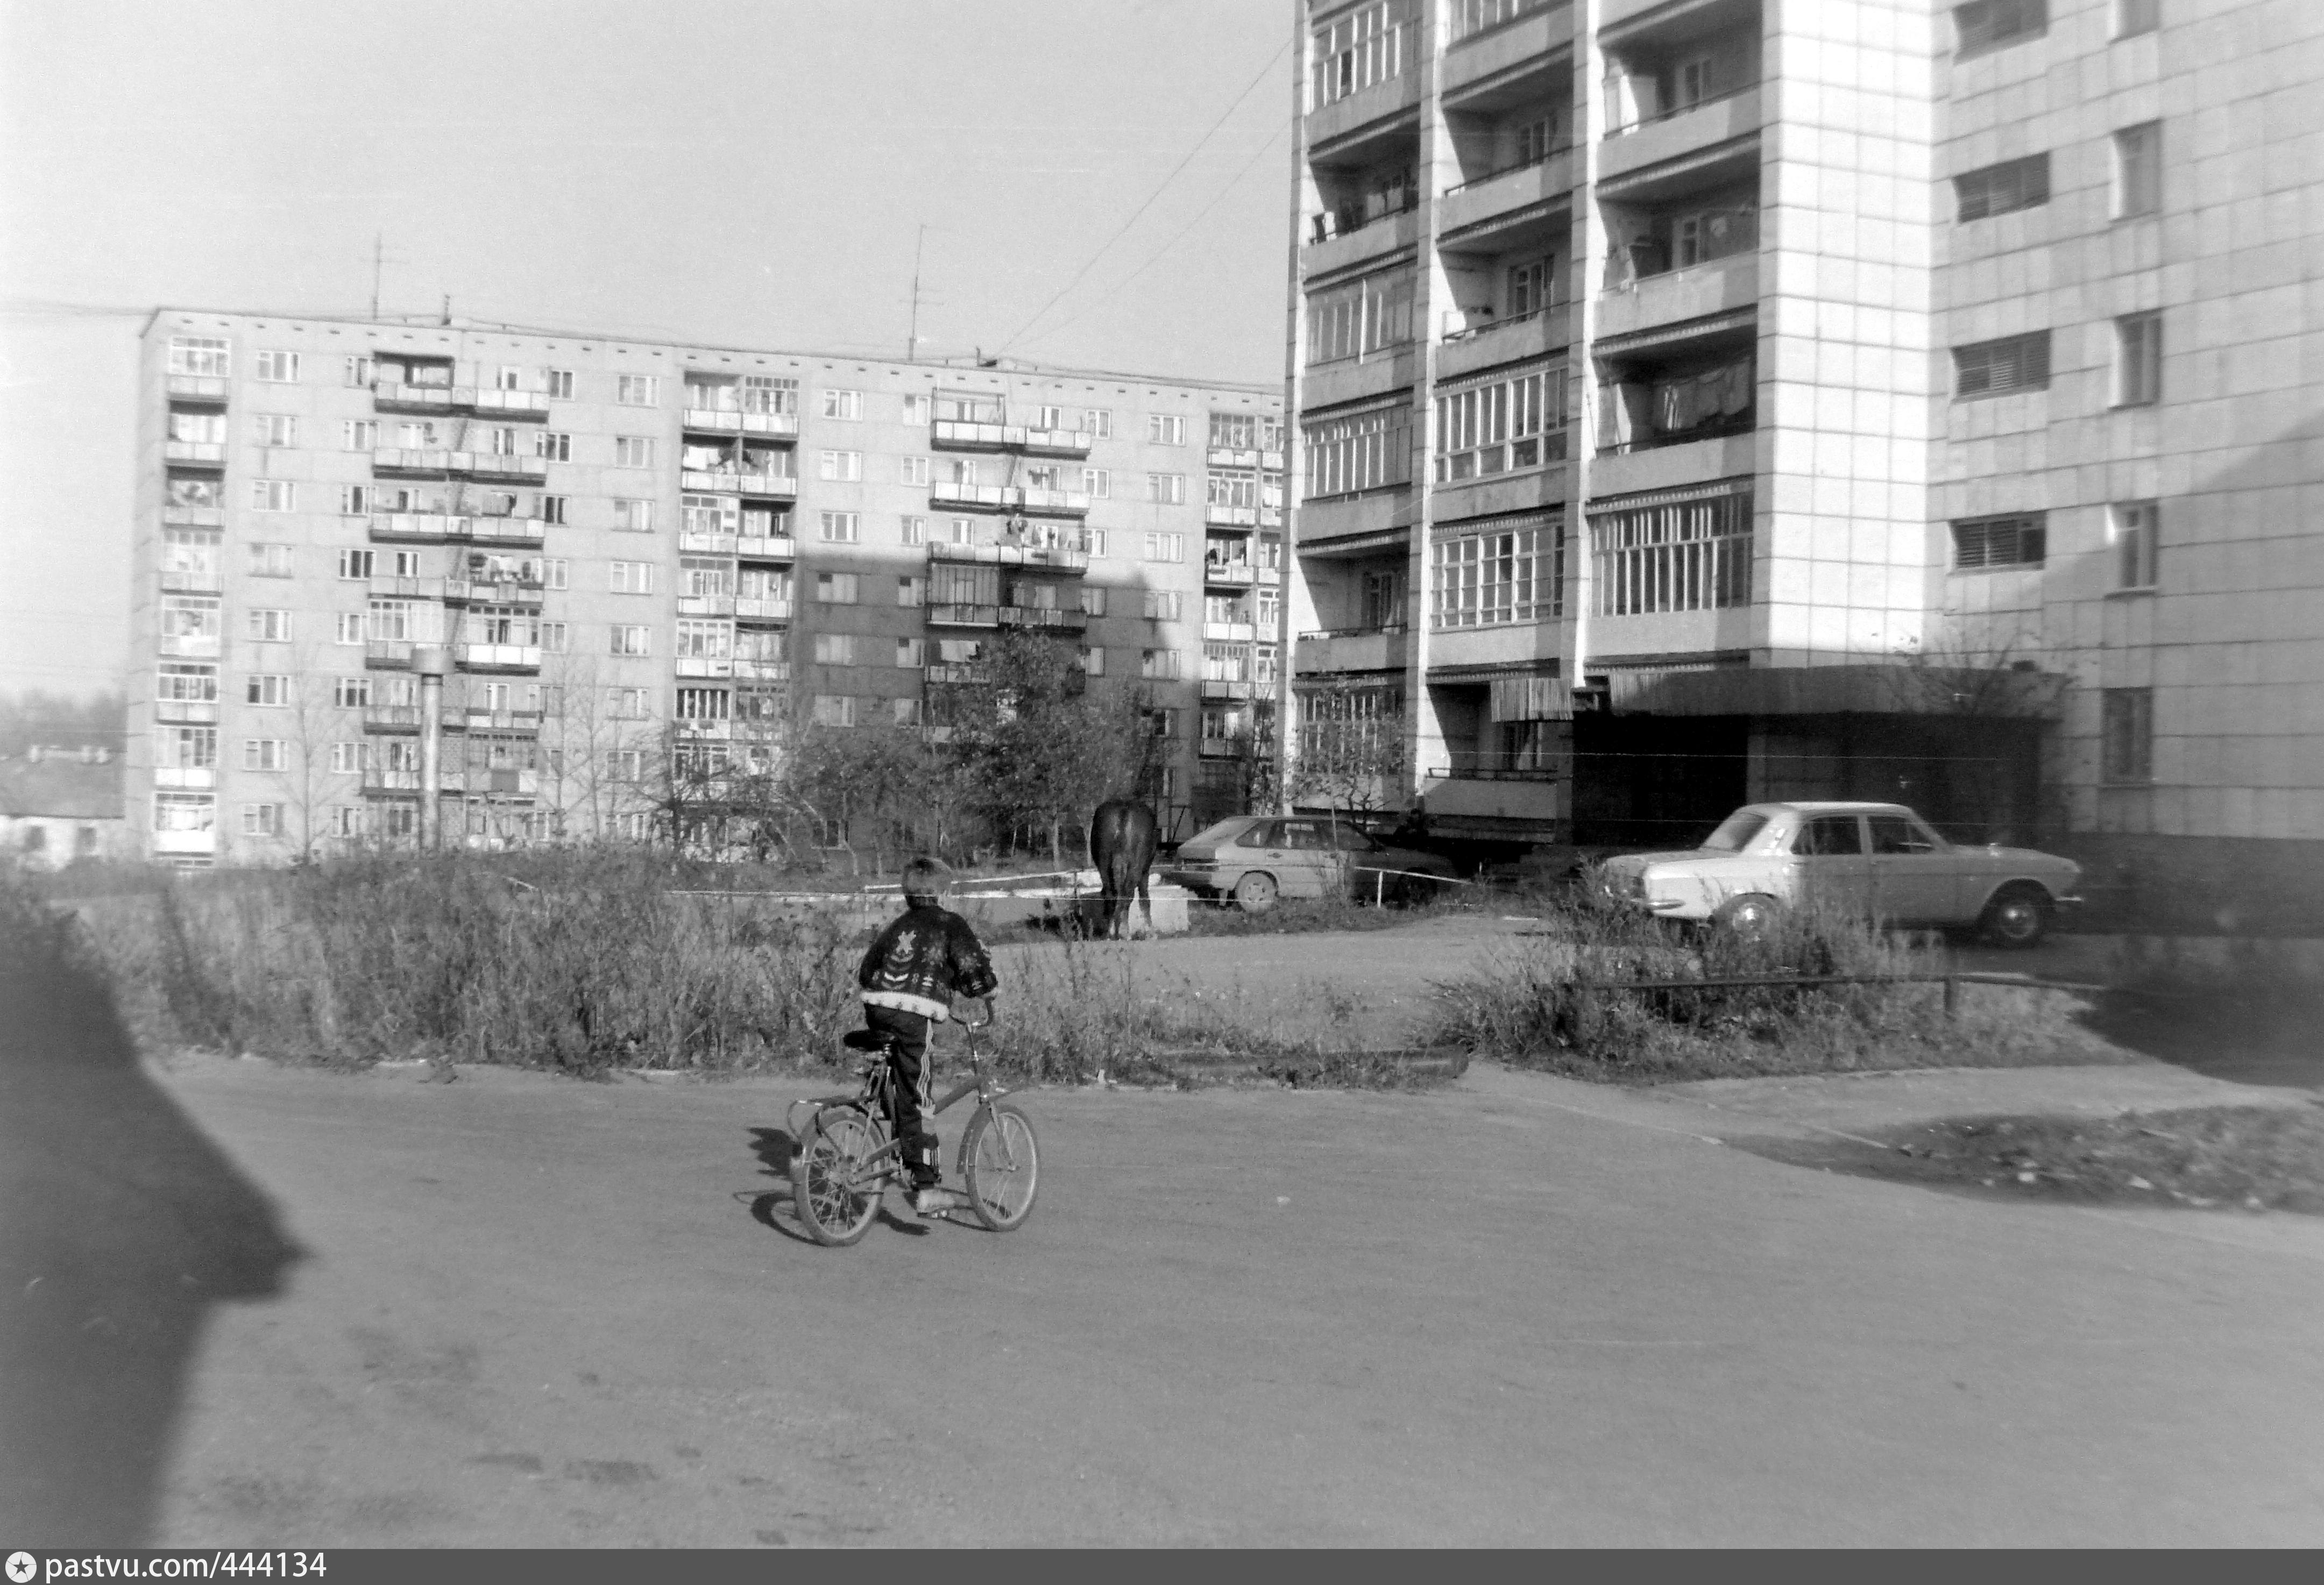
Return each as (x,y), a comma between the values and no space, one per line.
(1544,158)
(954,614)
(1678,110)
(178,580)
(706,604)
(1473,765)
(703,666)
(522,531)
(489,403)
(1048,556)
(1229,572)
(1008,498)
(377,782)
(1048,618)
(185,776)
(1347,219)
(962,435)
(700,729)
(189,646)
(733,482)
(720,420)
(1742,425)
(440,463)
(187,712)
(395,396)
(391,718)
(766,547)
(749,668)
(1468,325)
(387,654)
(203,388)
(194,517)
(1472,19)
(497,656)
(747,609)
(395,588)
(209,454)
(1321,634)
(485,465)
(1215,688)
(493,590)
(507,722)
(1229,632)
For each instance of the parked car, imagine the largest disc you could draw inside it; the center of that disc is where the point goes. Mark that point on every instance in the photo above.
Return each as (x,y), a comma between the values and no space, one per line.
(1258,858)
(1877,859)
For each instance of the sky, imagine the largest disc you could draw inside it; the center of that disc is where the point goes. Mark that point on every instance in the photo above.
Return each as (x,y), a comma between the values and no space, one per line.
(1102,183)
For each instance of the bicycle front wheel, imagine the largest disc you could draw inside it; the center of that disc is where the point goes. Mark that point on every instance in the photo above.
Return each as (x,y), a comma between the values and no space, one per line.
(835,1182)
(1000,1163)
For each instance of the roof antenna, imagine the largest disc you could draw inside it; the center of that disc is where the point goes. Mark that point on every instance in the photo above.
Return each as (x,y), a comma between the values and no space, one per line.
(986,363)
(448,308)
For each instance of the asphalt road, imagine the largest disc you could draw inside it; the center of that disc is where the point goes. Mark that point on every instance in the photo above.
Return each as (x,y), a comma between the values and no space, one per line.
(1524,1310)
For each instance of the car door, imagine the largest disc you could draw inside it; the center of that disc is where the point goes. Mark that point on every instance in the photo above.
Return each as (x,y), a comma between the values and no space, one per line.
(1259,847)
(1916,880)
(1832,867)
(1310,863)
(1361,860)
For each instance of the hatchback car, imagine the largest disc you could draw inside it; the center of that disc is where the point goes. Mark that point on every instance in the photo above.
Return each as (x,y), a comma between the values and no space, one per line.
(1877,859)
(1257,858)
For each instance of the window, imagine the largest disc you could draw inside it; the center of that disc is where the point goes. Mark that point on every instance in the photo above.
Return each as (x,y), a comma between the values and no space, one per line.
(834,648)
(846,405)
(1232,487)
(911,590)
(186,747)
(548,509)
(264,753)
(184,812)
(1681,555)
(268,627)
(1234,431)
(631,642)
(702,704)
(350,693)
(914,531)
(1097,422)
(835,588)
(556,573)
(1515,572)
(200,354)
(1997,189)
(840,528)
(268,561)
(834,709)
(273,495)
(350,628)
(962,530)
(1998,541)
(1165,430)
(1515,421)
(703,578)
(359,434)
(189,617)
(911,653)
(1360,319)
(261,819)
(1357,48)
(2133,17)
(357,500)
(2131,526)
(912,470)
(558,383)
(500,441)
(637,390)
(554,446)
(2138,360)
(1093,660)
(266,689)
(2138,171)
(359,370)
(1158,665)
(1364,451)
(907,713)
(553,637)
(1989,24)
(276,429)
(200,429)
(2014,363)
(916,409)
(346,759)
(395,621)
(280,368)
(1167,489)
(633,516)
(1097,484)
(1093,599)
(407,564)
(1533,286)
(632,577)
(1043,476)
(2126,734)
(186,685)
(1162,605)
(1166,548)
(633,451)
(357,565)
(847,467)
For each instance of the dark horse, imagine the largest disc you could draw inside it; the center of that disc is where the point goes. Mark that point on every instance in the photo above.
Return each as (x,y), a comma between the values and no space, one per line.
(1121,842)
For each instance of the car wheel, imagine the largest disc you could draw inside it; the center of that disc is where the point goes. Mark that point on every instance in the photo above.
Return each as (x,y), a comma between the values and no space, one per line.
(1255,893)
(1749,918)
(2018,916)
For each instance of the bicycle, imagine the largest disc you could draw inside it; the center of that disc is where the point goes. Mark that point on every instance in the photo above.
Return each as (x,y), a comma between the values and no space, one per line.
(847,1152)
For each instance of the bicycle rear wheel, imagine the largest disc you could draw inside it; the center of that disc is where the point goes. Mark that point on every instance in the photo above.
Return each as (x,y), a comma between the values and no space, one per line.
(1000,1163)
(834,1183)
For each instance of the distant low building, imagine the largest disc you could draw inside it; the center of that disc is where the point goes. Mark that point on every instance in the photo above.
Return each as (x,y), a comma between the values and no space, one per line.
(59,804)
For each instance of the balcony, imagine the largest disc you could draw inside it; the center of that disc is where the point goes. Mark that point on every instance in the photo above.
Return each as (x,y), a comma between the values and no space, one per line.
(766,547)
(1471,792)
(502,782)
(497,657)
(958,615)
(726,421)
(391,718)
(378,783)
(184,843)
(1055,558)
(1502,39)
(777,486)
(1225,573)
(1335,111)
(208,390)
(749,668)
(1683,460)
(395,588)
(186,711)
(1046,618)
(178,580)
(500,468)
(712,665)
(387,654)
(189,646)
(762,609)
(1215,688)
(1356,649)
(1231,517)
(417,527)
(411,461)
(487,403)
(185,776)
(1677,141)
(194,517)
(1008,498)
(705,731)
(961,435)
(706,604)
(952,672)
(522,533)
(1229,632)
(1475,340)
(493,590)
(1334,246)
(701,544)
(194,454)
(393,396)
(505,723)
(1707,298)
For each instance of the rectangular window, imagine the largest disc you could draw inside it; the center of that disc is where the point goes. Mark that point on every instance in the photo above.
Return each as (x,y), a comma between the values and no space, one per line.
(407,564)
(346,759)
(1158,665)
(1161,605)
(911,590)
(554,446)
(704,640)
(1093,660)
(350,628)
(632,641)
(1364,451)
(1165,430)
(1510,422)
(556,573)
(266,690)
(553,638)
(268,561)
(912,470)
(637,390)
(840,528)
(914,531)
(916,409)
(357,565)
(276,429)
(846,405)
(548,509)
(1360,318)
(834,709)
(707,514)
(2138,360)
(2126,734)
(702,704)
(835,588)
(1097,422)
(359,434)
(1097,484)
(186,685)
(2138,171)
(961,531)
(1361,46)
(280,368)
(1167,489)
(558,383)
(2132,527)
(632,577)
(273,495)
(500,441)
(1513,572)
(633,451)
(261,819)
(1999,541)
(1234,431)
(2133,17)
(1989,24)
(834,648)
(1997,189)
(264,753)
(1683,555)
(357,500)
(907,713)
(633,516)
(847,467)
(267,627)
(360,370)
(911,653)
(200,354)
(2014,363)
(1166,548)
(186,747)
(350,693)
(702,577)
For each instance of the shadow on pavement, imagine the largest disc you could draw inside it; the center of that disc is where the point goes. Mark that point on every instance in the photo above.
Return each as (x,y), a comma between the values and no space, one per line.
(122,1225)
(774,1148)
(2231,1036)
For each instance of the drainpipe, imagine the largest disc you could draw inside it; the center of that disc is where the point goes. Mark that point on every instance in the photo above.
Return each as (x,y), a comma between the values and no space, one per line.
(427,659)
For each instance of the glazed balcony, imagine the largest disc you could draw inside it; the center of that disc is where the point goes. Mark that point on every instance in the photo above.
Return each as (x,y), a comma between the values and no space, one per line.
(1044,618)
(1226,688)
(752,669)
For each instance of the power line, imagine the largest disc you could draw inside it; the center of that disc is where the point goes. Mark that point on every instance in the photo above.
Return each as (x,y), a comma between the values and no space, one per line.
(1151,197)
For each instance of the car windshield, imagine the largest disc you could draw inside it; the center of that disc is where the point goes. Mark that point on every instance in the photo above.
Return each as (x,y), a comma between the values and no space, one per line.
(1735,833)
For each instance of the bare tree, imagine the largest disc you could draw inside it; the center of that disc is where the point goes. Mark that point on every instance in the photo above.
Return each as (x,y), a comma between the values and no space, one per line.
(1350,748)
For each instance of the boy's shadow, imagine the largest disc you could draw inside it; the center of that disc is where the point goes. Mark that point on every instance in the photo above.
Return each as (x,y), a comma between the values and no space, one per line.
(776,1148)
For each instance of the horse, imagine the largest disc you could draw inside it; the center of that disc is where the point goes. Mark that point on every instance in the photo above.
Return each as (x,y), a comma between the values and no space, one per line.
(1121,842)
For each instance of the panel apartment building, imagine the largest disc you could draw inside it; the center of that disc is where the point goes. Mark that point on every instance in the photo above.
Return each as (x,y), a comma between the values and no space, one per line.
(1711,400)
(591,552)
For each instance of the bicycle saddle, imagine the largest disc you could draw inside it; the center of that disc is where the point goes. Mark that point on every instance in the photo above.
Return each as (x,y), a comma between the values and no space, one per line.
(866,1040)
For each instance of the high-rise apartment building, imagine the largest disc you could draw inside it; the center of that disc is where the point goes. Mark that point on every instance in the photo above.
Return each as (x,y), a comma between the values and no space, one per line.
(594,553)
(1709,400)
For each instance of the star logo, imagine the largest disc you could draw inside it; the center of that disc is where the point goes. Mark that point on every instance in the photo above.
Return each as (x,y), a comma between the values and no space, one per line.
(20,1567)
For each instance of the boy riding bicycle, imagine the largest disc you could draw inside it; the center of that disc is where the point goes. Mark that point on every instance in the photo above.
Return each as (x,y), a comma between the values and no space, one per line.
(908,977)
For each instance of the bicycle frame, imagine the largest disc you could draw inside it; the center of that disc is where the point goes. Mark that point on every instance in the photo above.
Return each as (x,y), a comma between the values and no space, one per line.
(888,1160)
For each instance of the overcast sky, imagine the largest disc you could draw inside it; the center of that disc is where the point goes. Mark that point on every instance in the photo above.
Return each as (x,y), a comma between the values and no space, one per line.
(739,171)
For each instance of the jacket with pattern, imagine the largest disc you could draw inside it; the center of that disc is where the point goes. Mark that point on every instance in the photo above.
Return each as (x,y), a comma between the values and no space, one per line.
(922,959)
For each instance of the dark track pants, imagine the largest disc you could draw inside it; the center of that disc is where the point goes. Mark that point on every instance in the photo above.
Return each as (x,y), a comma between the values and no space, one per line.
(911,1109)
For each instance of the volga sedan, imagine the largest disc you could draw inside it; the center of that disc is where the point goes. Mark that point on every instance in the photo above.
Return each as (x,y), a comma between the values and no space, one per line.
(1877,859)
(1258,858)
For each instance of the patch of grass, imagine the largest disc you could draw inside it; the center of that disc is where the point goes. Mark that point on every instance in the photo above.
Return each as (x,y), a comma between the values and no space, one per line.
(1550,1000)
(1307,916)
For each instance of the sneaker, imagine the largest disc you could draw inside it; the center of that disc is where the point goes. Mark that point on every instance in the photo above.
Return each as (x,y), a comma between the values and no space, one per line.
(933,1201)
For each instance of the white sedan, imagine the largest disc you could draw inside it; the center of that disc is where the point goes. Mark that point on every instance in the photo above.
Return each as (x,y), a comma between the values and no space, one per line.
(1877,859)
